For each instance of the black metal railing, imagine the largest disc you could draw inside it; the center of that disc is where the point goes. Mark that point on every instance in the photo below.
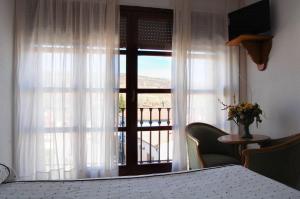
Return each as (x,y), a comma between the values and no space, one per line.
(122,137)
(154,135)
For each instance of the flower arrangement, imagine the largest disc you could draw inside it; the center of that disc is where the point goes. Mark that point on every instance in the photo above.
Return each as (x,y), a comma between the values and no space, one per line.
(244,113)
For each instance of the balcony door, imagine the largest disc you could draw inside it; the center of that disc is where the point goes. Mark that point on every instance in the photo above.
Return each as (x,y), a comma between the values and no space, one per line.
(145,119)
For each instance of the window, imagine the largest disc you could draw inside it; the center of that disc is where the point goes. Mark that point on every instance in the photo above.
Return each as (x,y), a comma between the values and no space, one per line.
(145,90)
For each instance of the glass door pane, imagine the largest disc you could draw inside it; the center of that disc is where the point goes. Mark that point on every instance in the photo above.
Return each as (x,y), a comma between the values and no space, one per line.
(122,71)
(154,72)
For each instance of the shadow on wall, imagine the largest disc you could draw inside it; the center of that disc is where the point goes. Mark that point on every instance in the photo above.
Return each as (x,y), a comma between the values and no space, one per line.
(274,16)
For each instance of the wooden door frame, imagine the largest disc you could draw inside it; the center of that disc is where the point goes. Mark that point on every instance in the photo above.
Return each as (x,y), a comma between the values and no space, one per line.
(132,13)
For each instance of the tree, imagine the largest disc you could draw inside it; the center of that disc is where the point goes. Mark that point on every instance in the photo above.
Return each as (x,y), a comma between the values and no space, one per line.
(122,102)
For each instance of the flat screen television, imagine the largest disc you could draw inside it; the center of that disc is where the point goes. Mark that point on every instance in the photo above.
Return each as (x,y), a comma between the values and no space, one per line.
(253,19)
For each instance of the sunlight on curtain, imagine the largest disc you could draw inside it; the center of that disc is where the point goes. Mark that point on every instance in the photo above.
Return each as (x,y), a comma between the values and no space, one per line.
(204,69)
(67,75)
(213,71)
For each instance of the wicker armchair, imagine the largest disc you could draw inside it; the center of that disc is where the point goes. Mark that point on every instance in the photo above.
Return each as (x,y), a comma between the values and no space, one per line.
(279,159)
(204,150)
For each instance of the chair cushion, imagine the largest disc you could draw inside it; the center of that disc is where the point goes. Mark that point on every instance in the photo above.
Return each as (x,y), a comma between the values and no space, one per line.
(212,160)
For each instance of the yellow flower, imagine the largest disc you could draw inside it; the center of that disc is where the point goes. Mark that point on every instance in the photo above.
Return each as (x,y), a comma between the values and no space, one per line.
(248,106)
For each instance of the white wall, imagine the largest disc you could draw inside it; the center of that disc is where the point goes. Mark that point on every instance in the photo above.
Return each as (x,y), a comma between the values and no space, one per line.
(6,88)
(277,89)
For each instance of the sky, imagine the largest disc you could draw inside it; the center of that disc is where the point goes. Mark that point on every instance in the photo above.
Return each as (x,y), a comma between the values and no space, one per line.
(150,66)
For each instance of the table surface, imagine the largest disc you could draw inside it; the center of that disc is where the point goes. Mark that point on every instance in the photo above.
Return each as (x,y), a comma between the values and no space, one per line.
(236,139)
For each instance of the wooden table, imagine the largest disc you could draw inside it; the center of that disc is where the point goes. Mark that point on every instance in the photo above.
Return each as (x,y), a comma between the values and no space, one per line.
(243,142)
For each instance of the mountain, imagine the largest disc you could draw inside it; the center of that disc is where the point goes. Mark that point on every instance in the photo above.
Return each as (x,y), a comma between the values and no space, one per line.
(148,82)
(151,100)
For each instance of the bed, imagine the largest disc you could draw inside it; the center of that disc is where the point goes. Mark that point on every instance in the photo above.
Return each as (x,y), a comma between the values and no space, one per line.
(223,182)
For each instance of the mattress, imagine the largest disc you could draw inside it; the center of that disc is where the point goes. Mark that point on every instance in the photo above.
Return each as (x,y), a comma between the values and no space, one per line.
(228,182)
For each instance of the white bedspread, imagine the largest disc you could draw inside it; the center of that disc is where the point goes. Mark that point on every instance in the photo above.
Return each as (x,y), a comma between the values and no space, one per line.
(225,182)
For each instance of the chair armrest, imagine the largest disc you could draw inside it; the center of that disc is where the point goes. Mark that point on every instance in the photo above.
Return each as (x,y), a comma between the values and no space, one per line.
(274,142)
(195,159)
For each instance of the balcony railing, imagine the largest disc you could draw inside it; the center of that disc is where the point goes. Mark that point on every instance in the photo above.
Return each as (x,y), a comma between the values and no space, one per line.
(155,139)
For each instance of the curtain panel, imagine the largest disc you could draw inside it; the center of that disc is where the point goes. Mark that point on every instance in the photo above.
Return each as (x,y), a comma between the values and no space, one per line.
(66,89)
(204,70)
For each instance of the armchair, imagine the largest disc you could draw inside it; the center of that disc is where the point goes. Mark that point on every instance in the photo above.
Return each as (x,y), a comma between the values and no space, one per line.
(279,159)
(204,150)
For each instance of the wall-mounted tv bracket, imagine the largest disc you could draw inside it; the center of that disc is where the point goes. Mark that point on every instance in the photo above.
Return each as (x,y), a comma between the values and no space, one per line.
(257,46)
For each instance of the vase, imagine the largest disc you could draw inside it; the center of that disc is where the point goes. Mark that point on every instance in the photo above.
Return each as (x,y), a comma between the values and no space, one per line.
(246,134)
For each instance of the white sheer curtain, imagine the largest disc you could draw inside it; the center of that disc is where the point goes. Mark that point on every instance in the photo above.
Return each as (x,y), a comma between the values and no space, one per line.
(66,80)
(204,69)
(181,51)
